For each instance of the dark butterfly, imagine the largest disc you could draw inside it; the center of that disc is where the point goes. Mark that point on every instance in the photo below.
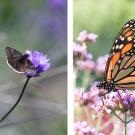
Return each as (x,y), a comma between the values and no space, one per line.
(120,67)
(18,62)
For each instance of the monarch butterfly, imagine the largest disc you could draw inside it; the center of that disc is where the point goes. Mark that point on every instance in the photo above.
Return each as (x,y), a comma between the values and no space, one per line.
(120,67)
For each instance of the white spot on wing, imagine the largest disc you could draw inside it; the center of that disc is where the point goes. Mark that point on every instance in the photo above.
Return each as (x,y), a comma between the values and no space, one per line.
(120,46)
(129,38)
(126,25)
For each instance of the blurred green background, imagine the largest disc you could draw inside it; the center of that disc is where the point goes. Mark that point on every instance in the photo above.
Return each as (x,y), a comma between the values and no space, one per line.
(34,25)
(102,17)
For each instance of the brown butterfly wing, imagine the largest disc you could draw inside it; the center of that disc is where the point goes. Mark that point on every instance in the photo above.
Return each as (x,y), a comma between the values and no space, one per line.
(17,61)
(13,57)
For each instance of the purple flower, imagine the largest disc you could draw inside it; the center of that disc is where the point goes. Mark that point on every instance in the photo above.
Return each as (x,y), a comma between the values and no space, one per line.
(58,4)
(40,61)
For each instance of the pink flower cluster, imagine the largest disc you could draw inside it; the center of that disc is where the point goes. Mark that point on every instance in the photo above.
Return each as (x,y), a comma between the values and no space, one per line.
(83,128)
(115,102)
(95,102)
(84,36)
(79,51)
(86,98)
(101,64)
(83,60)
(87,65)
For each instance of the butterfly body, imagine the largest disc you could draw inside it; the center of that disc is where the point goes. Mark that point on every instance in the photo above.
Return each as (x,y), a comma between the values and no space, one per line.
(18,62)
(109,86)
(120,67)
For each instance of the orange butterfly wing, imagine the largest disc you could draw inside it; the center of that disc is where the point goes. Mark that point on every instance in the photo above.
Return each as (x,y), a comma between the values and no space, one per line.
(121,62)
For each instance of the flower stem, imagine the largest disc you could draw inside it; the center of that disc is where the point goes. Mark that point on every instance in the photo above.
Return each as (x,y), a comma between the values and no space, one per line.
(16,101)
(125,124)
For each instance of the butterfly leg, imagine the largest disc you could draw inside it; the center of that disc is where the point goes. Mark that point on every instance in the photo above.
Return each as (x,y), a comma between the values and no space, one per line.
(105,93)
(119,96)
(124,91)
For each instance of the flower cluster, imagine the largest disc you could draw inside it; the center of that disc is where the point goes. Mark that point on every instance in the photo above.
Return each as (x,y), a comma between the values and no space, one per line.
(79,51)
(94,105)
(80,97)
(101,63)
(87,98)
(84,36)
(116,103)
(87,65)
(83,60)
(83,128)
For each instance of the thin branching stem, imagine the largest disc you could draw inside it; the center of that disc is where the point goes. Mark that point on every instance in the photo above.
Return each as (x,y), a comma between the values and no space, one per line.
(118,117)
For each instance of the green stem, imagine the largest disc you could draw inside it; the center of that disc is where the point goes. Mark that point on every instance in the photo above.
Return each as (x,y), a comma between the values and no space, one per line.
(16,101)
(86,79)
(125,124)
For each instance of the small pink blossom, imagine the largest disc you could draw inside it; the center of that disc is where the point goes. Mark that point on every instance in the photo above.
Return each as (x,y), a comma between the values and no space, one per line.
(92,96)
(92,37)
(84,36)
(81,97)
(89,56)
(87,65)
(87,98)
(79,48)
(79,51)
(83,128)
(101,64)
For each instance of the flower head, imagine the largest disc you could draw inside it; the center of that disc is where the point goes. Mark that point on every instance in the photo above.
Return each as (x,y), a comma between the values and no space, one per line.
(87,65)
(115,102)
(40,61)
(83,128)
(101,63)
(79,51)
(81,97)
(84,36)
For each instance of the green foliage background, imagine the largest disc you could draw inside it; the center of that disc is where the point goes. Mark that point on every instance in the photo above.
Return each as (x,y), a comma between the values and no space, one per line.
(103,17)
(34,25)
